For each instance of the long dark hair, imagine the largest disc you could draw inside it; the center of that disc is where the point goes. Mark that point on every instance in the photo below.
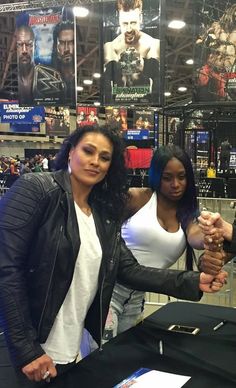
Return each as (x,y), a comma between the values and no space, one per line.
(110,195)
(187,207)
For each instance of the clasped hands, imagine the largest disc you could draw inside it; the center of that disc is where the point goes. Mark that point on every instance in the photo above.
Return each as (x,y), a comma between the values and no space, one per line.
(213,258)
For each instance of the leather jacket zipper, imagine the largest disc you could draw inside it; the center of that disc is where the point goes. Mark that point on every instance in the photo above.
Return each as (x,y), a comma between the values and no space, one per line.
(111,265)
(49,284)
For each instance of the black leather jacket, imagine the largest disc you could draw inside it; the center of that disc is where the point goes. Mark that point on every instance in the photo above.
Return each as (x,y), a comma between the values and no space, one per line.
(230,246)
(39,244)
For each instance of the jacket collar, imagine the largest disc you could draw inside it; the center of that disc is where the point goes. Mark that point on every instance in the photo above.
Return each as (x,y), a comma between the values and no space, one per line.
(62,177)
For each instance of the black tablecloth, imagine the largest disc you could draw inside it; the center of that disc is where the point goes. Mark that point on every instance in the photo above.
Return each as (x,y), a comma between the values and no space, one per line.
(208,357)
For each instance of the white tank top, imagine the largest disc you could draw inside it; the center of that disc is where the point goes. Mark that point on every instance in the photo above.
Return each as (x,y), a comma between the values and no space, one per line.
(151,244)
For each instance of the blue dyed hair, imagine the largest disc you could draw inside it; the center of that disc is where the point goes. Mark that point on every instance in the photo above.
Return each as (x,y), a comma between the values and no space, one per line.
(187,206)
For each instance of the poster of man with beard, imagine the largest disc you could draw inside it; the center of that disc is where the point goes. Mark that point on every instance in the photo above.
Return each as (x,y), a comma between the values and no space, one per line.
(131,52)
(46,56)
(25,43)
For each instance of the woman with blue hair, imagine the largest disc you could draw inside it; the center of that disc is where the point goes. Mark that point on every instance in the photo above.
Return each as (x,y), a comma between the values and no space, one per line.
(160,225)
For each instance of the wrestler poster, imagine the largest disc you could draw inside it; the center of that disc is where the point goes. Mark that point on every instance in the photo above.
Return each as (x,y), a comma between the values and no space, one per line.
(116,119)
(131,52)
(57,121)
(215,51)
(45,45)
(143,125)
(86,115)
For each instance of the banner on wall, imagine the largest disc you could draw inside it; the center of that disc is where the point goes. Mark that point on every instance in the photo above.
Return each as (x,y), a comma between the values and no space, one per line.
(116,118)
(24,128)
(11,112)
(86,115)
(46,57)
(131,52)
(57,121)
(215,52)
(143,125)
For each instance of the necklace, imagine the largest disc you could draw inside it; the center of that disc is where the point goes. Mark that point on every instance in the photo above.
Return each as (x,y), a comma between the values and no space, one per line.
(86,210)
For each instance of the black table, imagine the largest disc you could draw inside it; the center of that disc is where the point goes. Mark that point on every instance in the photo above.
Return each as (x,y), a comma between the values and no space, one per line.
(209,356)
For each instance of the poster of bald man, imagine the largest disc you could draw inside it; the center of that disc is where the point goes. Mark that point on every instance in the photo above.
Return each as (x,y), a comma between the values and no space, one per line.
(131,52)
(46,57)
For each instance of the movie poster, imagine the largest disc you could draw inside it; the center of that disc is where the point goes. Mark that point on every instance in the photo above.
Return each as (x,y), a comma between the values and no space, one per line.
(46,54)
(116,118)
(86,115)
(131,52)
(215,52)
(57,121)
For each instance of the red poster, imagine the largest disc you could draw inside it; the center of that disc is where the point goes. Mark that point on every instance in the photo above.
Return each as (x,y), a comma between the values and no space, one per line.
(86,115)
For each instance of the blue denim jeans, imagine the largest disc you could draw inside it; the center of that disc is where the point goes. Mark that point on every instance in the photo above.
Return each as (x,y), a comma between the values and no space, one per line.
(126,310)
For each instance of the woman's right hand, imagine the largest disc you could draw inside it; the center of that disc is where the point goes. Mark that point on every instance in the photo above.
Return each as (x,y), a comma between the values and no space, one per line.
(212,262)
(37,370)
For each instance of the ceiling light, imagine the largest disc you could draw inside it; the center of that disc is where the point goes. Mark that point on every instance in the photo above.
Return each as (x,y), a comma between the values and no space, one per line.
(81,12)
(79,88)
(189,62)
(182,89)
(167,94)
(97,103)
(96,75)
(87,81)
(176,24)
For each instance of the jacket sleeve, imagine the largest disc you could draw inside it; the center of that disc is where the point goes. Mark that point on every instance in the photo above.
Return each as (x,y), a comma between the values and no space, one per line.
(179,284)
(230,246)
(20,210)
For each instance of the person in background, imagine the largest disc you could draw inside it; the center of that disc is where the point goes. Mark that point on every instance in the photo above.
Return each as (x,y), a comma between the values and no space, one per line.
(211,171)
(51,162)
(225,148)
(14,167)
(160,224)
(45,163)
(25,167)
(61,253)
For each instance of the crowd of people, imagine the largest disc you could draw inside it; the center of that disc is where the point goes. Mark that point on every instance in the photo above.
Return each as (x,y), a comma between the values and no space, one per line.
(62,251)
(17,166)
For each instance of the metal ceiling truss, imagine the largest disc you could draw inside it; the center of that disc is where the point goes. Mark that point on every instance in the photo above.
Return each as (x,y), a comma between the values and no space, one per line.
(35,4)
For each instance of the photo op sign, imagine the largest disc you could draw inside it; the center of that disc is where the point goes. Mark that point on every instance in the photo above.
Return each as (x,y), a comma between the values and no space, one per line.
(131,52)
(45,42)
(11,112)
(215,51)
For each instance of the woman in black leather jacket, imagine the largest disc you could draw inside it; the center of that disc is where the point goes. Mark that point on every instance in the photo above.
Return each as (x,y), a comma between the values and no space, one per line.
(61,253)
